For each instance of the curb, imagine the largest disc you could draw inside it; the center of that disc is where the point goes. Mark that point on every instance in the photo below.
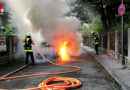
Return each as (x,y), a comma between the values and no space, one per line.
(123,86)
(14,71)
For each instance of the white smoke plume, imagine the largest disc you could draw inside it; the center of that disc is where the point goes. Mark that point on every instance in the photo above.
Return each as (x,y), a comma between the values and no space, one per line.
(46,20)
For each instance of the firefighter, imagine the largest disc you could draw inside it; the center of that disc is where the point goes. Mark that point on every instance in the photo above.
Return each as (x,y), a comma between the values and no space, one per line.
(28,47)
(96,42)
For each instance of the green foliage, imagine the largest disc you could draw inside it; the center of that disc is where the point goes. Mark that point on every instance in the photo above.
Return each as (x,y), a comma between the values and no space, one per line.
(110,7)
(127,26)
(5,22)
(111,2)
(82,10)
(120,48)
(86,29)
(7,30)
(118,26)
(97,25)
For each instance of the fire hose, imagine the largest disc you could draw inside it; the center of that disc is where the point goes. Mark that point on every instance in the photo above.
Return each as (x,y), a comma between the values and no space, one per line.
(67,82)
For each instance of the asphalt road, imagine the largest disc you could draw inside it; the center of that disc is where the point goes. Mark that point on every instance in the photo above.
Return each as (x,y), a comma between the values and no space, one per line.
(92,75)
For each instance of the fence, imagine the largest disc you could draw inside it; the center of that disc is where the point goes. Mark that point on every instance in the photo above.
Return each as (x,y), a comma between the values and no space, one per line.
(88,41)
(8,45)
(113,41)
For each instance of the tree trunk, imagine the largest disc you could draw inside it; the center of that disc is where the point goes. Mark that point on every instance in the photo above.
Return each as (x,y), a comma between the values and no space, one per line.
(105,27)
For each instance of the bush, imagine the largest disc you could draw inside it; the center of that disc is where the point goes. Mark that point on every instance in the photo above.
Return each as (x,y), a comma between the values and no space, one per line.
(7,30)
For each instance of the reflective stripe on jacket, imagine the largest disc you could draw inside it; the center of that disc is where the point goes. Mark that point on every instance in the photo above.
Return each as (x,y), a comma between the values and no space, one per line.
(28,47)
(27,40)
(28,51)
(96,40)
(96,43)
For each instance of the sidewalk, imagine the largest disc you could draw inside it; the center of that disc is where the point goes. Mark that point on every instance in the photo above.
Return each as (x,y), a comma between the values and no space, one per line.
(10,68)
(113,67)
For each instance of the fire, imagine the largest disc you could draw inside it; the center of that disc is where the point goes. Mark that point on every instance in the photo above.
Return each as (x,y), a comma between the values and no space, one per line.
(63,51)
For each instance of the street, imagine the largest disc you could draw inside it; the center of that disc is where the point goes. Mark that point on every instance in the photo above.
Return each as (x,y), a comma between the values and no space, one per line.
(64,45)
(91,75)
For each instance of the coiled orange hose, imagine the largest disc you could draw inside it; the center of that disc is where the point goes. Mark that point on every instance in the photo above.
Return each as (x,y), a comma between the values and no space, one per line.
(67,82)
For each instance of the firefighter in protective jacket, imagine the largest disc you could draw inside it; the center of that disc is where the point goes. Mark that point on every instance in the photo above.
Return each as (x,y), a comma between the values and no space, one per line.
(96,42)
(28,48)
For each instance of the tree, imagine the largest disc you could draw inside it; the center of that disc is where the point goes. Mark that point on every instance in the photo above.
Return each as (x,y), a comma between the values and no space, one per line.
(8,29)
(108,10)
(82,7)
(97,25)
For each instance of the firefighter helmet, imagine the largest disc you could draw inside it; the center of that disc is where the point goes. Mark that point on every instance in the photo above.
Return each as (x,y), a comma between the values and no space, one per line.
(28,34)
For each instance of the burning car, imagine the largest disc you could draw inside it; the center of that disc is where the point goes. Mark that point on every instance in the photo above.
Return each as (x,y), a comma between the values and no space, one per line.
(48,51)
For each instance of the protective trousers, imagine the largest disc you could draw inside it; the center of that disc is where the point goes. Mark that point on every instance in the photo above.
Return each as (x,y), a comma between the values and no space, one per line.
(31,55)
(96,48)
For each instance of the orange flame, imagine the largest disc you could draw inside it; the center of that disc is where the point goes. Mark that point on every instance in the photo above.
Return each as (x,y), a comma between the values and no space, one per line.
(63,51)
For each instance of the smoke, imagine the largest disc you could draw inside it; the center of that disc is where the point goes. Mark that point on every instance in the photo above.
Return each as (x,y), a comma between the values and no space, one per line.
(46,20)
